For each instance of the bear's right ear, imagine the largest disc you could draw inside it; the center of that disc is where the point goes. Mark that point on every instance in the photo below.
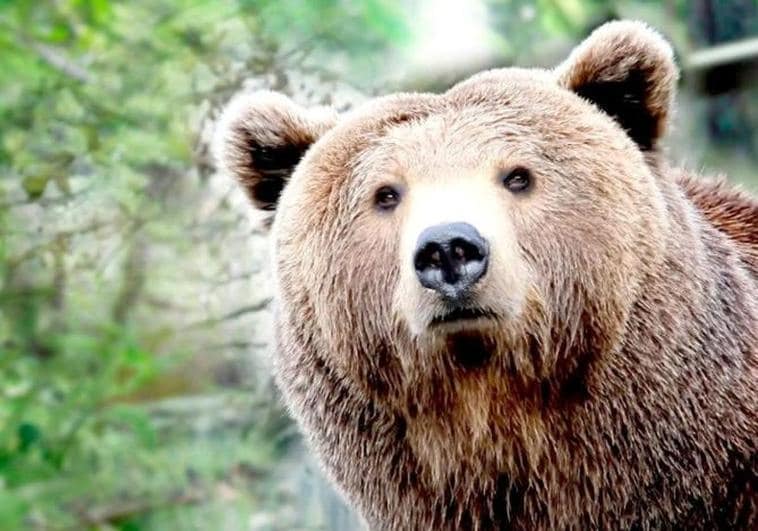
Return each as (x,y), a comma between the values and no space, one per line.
(261,138)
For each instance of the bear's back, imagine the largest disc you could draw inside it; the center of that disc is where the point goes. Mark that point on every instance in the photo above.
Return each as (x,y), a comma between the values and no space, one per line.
(729,210)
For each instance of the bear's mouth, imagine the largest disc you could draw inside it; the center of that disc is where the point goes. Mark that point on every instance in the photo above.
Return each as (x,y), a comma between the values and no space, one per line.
(462,314)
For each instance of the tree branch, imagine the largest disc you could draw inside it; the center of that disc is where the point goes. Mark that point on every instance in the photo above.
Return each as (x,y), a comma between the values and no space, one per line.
(55,58)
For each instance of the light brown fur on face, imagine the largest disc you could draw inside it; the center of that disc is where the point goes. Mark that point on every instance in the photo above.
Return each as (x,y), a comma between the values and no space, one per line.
(612,382)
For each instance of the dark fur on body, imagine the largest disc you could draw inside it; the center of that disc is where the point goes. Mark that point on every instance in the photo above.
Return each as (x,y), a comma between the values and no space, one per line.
(616,386)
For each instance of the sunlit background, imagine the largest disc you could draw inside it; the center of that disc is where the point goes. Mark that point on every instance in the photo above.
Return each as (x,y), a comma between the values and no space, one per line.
(135,390)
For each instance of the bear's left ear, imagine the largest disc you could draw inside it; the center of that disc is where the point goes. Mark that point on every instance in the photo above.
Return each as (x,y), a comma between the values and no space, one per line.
(628,71)
(261,138)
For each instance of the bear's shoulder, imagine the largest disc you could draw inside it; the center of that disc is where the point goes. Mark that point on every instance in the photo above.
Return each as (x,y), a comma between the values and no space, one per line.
(729,209)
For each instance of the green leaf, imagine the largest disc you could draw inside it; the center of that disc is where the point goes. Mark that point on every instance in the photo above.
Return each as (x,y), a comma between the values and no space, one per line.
(34,185)
(28,434)
(63,184)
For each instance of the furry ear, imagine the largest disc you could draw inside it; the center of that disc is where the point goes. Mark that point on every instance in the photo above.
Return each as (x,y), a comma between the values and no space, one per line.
(261,138)
(628,71)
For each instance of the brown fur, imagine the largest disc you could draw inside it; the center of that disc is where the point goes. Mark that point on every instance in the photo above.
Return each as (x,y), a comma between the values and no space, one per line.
(618,387)
(730,210)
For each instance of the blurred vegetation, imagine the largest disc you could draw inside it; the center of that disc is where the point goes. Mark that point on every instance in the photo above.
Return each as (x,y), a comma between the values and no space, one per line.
(134,390)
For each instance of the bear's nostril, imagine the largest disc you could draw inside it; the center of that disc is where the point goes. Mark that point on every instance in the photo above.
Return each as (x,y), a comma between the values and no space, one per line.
(450,259)
(436,259)
(429,257)
(466,251)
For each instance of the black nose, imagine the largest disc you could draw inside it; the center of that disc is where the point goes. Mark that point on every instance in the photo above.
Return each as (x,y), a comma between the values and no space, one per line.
(450,258)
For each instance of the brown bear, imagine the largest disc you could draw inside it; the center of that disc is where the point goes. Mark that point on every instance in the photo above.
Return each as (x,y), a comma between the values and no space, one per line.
(499,307)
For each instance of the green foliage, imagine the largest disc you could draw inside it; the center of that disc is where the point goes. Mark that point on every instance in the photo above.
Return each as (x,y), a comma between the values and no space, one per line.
(99,103)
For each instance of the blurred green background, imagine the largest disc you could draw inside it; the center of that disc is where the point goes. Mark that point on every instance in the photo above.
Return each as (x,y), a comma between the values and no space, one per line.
(135,390)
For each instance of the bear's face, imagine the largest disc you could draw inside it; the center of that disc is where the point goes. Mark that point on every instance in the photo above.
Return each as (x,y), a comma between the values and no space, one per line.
(425,242)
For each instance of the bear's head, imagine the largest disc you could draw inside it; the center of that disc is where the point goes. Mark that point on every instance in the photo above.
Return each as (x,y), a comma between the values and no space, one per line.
(428,244)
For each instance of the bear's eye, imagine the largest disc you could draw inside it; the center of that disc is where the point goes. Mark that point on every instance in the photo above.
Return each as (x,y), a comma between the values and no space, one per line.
(518,179)
(387,198)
